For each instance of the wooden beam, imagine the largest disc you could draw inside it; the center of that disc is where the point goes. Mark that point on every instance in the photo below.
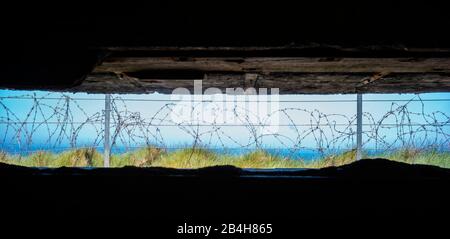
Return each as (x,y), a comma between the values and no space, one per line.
(272,64)
(292,75)
(368,80)
(288,83)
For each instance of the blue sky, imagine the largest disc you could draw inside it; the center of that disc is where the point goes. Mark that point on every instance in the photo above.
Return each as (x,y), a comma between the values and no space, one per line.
(231,136)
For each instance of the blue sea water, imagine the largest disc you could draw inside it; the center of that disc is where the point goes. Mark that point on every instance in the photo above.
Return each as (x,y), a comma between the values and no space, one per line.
(305,154)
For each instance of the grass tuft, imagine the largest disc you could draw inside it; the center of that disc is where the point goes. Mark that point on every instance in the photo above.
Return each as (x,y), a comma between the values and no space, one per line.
(416,156)
(198,158)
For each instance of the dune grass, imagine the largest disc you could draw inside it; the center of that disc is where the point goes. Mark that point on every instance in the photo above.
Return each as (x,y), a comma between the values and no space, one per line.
(416,156)
(198,158)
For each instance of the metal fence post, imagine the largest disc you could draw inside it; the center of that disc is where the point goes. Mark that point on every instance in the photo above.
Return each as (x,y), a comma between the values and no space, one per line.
(359,126)
(107,146)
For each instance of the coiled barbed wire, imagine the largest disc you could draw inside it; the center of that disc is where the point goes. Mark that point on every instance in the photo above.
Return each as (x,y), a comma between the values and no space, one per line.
(327,132)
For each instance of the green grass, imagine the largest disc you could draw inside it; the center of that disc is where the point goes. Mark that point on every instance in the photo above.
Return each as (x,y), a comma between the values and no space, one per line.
(198,158)
(415,156)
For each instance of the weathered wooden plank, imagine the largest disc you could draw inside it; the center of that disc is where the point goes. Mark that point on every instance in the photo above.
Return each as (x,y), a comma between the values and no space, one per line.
(268,64)
(288,83)
(292,75)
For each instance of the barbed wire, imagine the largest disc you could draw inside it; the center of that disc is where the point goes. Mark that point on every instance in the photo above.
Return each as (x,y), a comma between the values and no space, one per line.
(30,97)
(65,122)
